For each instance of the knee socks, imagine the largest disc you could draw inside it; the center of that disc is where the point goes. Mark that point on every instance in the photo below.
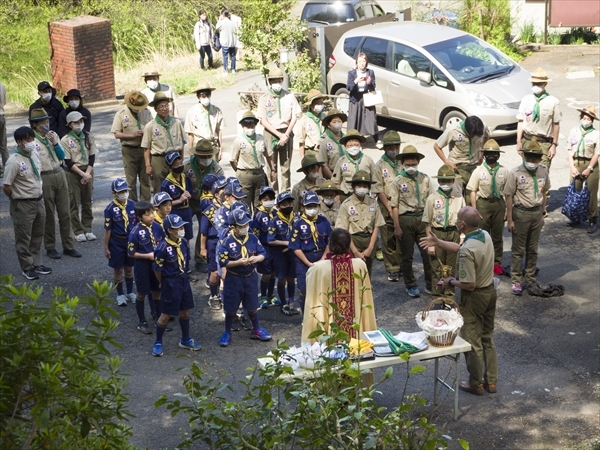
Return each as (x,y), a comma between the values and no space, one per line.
(129,283)
(139,308)
(152,306)
(291,290)
(157,308)
(254,319)
(263,287)
(119,284)
(281,292)
(160,330)
(229,321)
(271,287)
(185,329)
(214,288)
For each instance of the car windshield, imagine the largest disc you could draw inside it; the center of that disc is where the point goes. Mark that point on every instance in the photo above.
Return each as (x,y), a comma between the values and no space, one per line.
(471,60)
(328,12)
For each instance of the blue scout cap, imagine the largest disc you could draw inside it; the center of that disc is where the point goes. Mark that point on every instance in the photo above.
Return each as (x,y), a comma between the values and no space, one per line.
(228,189)
(171,157)
(209,180)
(238,191)
(119,185)
(265,190)
(233,180)
(160,198)
(239,205)
(222,182)
(173,221)
(240,217)
(284,196)
(310,198)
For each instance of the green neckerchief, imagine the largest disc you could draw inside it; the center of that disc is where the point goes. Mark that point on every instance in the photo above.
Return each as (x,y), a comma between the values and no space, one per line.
(415,178)
(316,120)
(536,107)
(393,165)
(447,210)
(135,116)
(252,142)
(476,234)
(48,145)
(278,96)
(167,126)
(200,175)
(355,161)
(462,127)
(492,173)
(336,140)
(207,112)
(80,139)
(35,169)
(533,174)
(581,143)
(157,88)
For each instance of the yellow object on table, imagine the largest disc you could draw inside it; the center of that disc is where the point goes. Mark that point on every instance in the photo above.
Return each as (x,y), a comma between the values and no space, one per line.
(359,347)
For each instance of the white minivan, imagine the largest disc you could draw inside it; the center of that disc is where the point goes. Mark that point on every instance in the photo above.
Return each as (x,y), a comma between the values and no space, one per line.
(432,75)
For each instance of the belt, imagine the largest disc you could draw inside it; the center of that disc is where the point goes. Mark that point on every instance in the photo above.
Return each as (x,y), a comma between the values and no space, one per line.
(118,236)
(582,158)
(362,234)
(485,287)
(313,251)
(131,146)
(539,138)
(491,199)
(239,275)
(37,199)
(522,208)
(465,164)
(445,229)
(412,213)
(251,170)
(49,172)
(162,155)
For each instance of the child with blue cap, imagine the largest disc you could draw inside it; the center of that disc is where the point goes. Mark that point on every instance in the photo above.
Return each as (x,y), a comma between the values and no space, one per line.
(260,226)
(179,187)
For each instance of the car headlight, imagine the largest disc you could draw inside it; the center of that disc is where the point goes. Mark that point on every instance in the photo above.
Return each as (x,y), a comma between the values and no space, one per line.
(483,101)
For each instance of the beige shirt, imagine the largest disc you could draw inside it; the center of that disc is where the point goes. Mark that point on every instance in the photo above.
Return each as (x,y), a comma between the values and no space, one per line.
(156,139)
(591,143)
(403,193)
(329,149)
(481,181)
(242,152)
(383,175)
(330,213)
(125,121)
(74,152)
(149,93)
(476,259)
(458,142)
(301,188)
(203,123)
(358,216)
(46,154)
(347,167)
(520,184)
(215,168)
(19,174)
(550,113)
(311,131)
(435,210)
(278,113)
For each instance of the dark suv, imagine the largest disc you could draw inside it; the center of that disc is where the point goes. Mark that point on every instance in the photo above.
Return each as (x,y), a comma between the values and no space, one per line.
(335,11)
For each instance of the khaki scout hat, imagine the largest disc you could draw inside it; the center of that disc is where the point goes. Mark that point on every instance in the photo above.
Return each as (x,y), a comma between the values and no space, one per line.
(589,111)
(446,172)
(248,115)
(309,160)
(352,134)
(204,86)
(160,97)
(204,147)
(329,186)
(275,72)
(491,146)
(532,147)
(410,151)
(362,176)
(391,138)
(331,114)
(136,100)
(38,114)
(153,73)
(313,94)
(539,76)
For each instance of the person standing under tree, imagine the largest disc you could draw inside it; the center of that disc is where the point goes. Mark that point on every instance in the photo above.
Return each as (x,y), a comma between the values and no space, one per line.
(204,120)
(154,86)
(202,37)
(228,36)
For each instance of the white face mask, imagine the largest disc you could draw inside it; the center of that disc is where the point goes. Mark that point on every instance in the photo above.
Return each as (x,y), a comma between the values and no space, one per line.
(318,109)
(242,231)
(446,187)
(276,88)
(361,191)
(353,151)
(123,196)
(531,166)
(411,170)
(47,96)
(181,234)
(537,90)
(585,123)
(313,176)
(204,101)
(152,84)
(249,132)
(312,212)
(392,155)
(74,104)
(29,146)
(268,203)
(329,201)
(336,127)
(77,128)
(204,161)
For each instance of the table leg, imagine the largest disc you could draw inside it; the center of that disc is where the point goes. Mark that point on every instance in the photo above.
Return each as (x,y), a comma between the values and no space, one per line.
(436,386)
(456,365)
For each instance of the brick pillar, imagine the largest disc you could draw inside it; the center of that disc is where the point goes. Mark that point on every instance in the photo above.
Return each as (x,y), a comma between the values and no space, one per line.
(81,57)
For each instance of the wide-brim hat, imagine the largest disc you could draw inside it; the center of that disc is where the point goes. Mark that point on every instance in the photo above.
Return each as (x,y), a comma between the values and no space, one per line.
(329,186)
(135,100)
(275,72)
(38,114)
(362,176)
(248,115)
(331,114)
(203,147)
(446,173)
(313,94)
(353,134)
(309,160)
(590,111)
(74,116)
(72,93)
(391,138)
(539,76)
(410,151)
(491,146)
(153,73)
(203,86)
(160,97)
(532,147)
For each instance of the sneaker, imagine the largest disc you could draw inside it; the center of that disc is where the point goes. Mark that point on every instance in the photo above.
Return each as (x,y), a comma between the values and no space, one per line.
(121,300)
(379,255)
(246,323)
(264,302)
(80,238)
(53,254)
(289,311)
(592,228)
(573,223)
(157,349)
(214,302)
(427,291)
(131,297)
(190,344)
(42,269)
(90,236)
(517,289)
(31,274)
(393,277)
(225,339)
(144,328)
(275,300)
(498,270)
(413,291)
(261,334)
(73,253)
(235,326)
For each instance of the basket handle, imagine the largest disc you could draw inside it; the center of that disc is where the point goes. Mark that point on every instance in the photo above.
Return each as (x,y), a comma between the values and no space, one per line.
(444,301)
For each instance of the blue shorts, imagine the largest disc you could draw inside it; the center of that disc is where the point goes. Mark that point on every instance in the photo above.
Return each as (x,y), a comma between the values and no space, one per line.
(145,279)
(285,264)
(265,267)
(187,215)
(302,268)
(211,253)
(118,253)
(176,294)
(238,289)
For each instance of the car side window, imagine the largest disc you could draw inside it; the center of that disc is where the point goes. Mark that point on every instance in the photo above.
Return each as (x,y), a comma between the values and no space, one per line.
(376,50)
(441,79)
(377,11)
(350,45)
(368,11)
(408,61)
(360,13)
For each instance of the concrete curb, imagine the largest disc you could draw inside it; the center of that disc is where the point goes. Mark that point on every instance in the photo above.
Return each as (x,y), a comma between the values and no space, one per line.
(571,49)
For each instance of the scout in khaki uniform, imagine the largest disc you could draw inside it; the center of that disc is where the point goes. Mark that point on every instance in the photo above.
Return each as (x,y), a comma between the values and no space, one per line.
(386,171)
(278,111)
(310,123)
(80,155)
(128,126)
(464,140)
(329,148)
(154,86)
(205,120)
(248,155)
(525,193)
(408,194)
(329,206)
(539,116)
(486,188)
(353,161)
(162,135)
(360,215)
(583,152)
(22,184)
(311,181)
(439,216)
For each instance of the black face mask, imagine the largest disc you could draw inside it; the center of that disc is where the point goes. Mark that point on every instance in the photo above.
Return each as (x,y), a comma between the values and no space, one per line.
(177,169)
(286,211)
(491,159)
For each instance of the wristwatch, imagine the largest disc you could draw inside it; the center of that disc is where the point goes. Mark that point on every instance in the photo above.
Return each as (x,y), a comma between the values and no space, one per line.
(590,168)
(450,282)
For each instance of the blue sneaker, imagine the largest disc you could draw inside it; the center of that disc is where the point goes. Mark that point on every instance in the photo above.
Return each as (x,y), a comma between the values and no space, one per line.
(275,300)
(413,291)
(190,344)
(261,334)
(157,349)
(264,302)
(225,339)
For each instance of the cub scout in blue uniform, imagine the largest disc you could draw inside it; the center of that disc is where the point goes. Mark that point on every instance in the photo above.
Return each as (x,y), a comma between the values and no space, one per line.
(171,261)
(179,187)
(209,239)
(260,226)
(239,252)
(231,193)
(143,240)
(309,240)
(119,220)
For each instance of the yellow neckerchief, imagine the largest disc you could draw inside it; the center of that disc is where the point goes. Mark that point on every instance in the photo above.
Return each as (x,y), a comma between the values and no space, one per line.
(149,228)
(285,219)
(267,211)
(158,219)
(312,223)
(242,244)
(171,178)
(180,258)
(123,209)
(206,195)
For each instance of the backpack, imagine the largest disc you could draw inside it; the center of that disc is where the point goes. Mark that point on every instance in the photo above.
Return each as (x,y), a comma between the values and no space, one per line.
(216,42)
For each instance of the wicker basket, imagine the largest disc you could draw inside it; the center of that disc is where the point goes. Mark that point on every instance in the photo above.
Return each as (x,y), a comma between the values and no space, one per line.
(443,304)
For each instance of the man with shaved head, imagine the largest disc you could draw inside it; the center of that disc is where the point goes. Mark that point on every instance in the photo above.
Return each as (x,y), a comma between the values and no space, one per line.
(477,298)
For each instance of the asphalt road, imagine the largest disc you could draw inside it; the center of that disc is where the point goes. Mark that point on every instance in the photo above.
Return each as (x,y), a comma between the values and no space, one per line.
(548,391)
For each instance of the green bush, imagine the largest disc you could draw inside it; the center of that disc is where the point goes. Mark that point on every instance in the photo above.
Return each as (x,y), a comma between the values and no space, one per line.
(304,73)
(528,32)
(60,386)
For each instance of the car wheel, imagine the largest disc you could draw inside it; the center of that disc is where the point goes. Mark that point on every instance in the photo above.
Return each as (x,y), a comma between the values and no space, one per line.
(342,102)
(452,118)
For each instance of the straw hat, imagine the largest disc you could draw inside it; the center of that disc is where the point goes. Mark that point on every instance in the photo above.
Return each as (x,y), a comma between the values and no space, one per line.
(153,73)
(589,111)
(136,100)
(539,76)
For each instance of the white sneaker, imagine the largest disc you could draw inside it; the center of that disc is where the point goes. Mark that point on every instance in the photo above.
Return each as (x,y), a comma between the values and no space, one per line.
(121,300)
(131,297)
(232,71)
(80,238)
(90,236)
